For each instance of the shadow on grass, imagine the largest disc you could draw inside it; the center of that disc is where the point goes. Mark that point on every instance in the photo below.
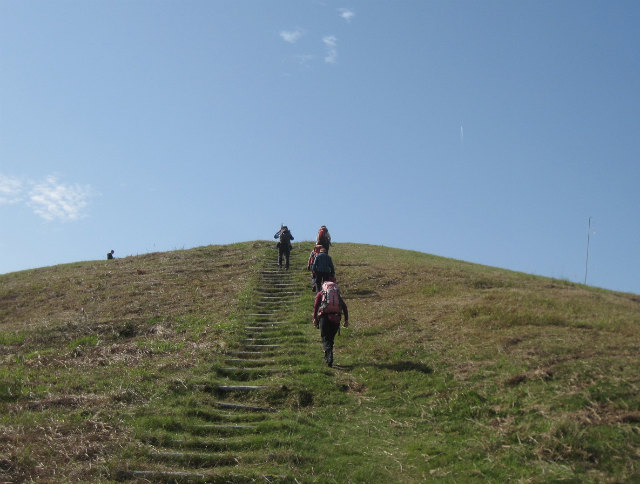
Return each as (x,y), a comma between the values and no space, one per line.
(405,366)
(397,366)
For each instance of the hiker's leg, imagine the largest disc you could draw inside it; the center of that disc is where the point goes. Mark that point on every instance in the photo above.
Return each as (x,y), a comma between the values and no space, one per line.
(333,330)
(280,257)
(328,332)
(286,256)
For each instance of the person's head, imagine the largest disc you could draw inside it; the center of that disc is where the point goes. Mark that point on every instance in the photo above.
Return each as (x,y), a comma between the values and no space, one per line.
(323,250)
(112,251)
(317,248)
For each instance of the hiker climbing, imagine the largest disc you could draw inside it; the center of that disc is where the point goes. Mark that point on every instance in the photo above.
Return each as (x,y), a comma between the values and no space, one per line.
(327,310)
(322,268)
(312,258)
(110,254)
(324,238)
(284,237)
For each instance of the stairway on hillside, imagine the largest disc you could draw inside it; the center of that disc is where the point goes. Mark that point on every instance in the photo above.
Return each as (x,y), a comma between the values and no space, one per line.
(240,437)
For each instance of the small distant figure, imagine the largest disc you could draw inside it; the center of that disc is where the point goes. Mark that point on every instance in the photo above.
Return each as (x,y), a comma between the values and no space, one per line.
(284,237)
(110,254)
(322,268)
(327,310)
(324,238)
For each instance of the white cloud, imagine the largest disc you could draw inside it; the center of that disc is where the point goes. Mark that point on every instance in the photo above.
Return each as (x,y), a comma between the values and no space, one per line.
(49,199)
(53,200)
(10,190)
(346,14)
(291,36)
(304,60)
(331,42)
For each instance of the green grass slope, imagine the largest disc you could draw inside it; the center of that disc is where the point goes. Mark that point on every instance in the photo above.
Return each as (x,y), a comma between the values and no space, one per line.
(449,372)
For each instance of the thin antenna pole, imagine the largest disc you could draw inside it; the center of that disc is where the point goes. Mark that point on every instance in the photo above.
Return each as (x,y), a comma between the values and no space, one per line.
(586,264)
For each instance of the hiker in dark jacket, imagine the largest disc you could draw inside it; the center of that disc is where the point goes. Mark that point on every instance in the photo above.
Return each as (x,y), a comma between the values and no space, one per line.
(322,268)
(284,245)
(329,324)
(110,254)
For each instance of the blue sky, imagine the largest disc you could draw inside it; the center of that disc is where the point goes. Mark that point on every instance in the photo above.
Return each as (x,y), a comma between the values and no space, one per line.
(483,131)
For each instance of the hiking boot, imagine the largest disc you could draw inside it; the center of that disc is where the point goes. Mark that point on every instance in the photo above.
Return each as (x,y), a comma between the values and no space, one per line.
(328,357)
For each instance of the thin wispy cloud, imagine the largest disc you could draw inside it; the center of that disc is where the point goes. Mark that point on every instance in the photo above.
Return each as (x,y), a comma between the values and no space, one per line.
(346,14)
(53,200)
(10,190)
(49,199)
(304,60)
(331,43)
(291,36)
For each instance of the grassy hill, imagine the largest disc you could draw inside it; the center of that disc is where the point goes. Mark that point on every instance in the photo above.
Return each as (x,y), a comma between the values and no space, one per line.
(202,366)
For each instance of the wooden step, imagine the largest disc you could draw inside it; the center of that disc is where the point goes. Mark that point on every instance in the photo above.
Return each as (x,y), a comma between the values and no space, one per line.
(165,476)
(248,361)
(245,408)
(241,388)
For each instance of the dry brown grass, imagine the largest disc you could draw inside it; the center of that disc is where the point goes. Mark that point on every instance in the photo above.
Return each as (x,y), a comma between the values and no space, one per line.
(83,346)
(128,289)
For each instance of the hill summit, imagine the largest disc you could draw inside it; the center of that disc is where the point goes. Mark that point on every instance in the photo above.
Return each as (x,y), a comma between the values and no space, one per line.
(201,365)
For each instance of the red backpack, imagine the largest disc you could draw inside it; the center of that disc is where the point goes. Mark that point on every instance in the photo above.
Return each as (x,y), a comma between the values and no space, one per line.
(330,304)
(312,256)
(323,235)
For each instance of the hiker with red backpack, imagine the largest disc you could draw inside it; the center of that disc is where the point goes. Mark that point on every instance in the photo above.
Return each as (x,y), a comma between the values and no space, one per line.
(284,237)
(322,268)
(327,310)
(312,258)
(324,238)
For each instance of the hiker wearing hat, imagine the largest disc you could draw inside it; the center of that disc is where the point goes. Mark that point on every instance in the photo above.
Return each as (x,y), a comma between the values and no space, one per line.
(284,237)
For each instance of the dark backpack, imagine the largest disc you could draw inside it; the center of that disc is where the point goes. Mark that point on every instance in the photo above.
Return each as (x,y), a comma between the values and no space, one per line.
(285,240)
